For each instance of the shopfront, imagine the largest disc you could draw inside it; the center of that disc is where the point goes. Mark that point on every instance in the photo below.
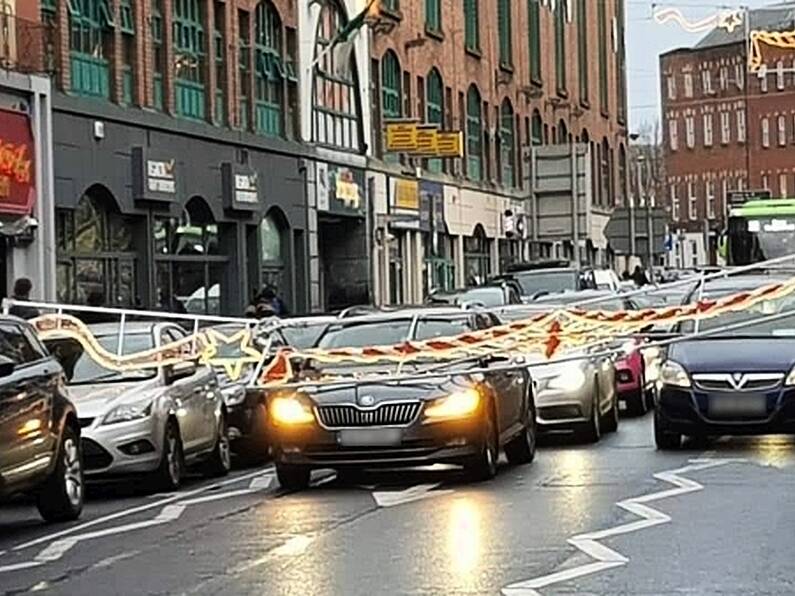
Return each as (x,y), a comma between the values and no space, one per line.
(439,267)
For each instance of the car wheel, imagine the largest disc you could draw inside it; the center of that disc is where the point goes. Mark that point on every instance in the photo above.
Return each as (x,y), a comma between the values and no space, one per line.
(254,449)
(168,475)
(611,419)
(592,431)
(220,460)
(522,449)
(293,477)
(61,496)
(483,466)
(665,439)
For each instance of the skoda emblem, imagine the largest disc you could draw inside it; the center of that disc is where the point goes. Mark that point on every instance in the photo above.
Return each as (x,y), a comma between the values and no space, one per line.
(366,400)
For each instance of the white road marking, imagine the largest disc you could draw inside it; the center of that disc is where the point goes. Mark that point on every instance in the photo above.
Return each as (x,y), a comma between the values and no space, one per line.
(110,561)
(607,558)
(409,495)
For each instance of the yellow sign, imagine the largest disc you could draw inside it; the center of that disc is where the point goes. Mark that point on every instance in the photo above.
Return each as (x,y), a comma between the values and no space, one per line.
(450,144)
(407,195)
(401,136)
(426,140)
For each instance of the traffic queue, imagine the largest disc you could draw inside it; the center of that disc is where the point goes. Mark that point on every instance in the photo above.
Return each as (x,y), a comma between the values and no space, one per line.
(153,395)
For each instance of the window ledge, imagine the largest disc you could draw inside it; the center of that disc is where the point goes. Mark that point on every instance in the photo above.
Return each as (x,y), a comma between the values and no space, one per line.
(536,81)
(585,103)
(434,34)
(562,92)
(474,52)
(393,15)
(507,67)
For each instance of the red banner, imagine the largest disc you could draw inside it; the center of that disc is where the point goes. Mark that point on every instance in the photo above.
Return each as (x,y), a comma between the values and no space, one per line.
(17,170)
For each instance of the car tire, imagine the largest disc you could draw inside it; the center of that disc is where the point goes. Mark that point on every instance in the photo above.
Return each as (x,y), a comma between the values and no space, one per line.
(522,449)
(61,497)
(293,477)
(168,475)
(666,440)
(483,465)
(255,448)
(220,461)
(592,430)
(610,423)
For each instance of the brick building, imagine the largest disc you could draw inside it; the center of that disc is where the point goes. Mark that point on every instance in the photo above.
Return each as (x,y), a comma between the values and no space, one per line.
(725,129)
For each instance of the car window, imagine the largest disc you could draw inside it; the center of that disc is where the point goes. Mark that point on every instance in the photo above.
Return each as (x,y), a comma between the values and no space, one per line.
(80,367)
(171,334)
(432,328)
(546,281)
(35,343)
(14,344)
(371,333)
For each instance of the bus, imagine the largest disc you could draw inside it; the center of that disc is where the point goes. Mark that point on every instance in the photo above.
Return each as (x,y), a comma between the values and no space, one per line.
(758,230)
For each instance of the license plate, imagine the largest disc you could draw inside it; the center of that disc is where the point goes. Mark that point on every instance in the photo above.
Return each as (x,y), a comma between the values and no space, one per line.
(380,437)
(728,406)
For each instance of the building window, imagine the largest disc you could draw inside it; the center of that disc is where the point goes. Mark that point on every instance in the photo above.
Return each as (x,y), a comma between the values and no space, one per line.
(507,143)
(707,118)
(782,185)
(189,56)
(740,116)
(159,55)
(560,46)
(765,182)
(673,134)
(505,27)
(582,49)
(477,258)
(219,51)
(739,75)
(692,207)
(534,39)
(471,25)
(127,26)
(780,75)
(391,96)
(688,84)
(433,15)
(391,5)
(90,26)
(269,73)
(710,190)
(603,37)
(706,82)
(244,67)
(537,129)
(622,175)
(725,128)
(434,108)
(670,82)
(335,98)
(690,132)
(765,132)
(672,191)
(763,80)
(474,135)
(48,11)
(723,75)
(782,130)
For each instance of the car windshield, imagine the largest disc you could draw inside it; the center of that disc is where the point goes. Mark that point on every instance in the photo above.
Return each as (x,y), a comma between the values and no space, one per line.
(533,282)
(585,302)
(82,369)
(370,333)
(484,296)
(432,328)
(780,327)
(301,337)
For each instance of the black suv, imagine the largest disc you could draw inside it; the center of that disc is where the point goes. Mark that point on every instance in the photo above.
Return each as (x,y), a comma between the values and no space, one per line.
(39,431)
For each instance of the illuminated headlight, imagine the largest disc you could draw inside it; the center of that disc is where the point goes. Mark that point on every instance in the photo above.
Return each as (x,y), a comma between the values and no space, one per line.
(673,374)
(129,412)
(568,380)
(460,404)
(234,395)
(290,411)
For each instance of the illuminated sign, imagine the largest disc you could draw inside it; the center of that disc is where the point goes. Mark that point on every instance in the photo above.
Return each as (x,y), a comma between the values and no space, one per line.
(423,140)
(407,194)
(17,171)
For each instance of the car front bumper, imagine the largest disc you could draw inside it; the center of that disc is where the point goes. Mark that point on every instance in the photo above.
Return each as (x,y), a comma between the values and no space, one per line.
(557,408)
(133,447)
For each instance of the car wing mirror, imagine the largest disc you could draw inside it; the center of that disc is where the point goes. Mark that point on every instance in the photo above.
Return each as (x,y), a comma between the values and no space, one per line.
(180,370)
(7,367)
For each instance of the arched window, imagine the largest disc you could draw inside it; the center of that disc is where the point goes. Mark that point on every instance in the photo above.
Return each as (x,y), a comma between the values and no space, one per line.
(604,172)
(91,34)
(273,253)
(336,112)
(622,174)
(434,102)
(537,129)
(474,135)
(189,55)
(507,143)
(563,133)
(477,259)
(391,88)
(269,74)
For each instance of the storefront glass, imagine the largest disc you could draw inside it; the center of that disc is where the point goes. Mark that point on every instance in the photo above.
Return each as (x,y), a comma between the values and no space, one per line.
(273,255)
(477,262)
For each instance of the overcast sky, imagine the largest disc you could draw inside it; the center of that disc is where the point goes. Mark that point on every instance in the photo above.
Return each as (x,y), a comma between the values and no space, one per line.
(646,40)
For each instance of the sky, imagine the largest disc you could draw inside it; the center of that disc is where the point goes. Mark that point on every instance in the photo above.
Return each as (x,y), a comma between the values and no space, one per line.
(646,40)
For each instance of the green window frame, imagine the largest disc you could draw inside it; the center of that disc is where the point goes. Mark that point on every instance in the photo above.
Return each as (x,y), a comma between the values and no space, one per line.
(219,51)
(433,15)
(90,26)
(507,143)
(471,25)
(156,24)
(604,100)
(582,50)
(534,39)
(537,129)
(269,74)
(127,26)
(243,66)
(190,52)
(391,86)
(48,10)
(391,5)
(434,109)
(474,135)
(560,46)
(505,29)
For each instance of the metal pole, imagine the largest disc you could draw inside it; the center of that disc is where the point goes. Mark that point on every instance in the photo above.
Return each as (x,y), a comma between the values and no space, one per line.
(649,235)
(575,206)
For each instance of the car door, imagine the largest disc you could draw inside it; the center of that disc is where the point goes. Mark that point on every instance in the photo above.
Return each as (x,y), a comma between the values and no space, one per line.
(25,406)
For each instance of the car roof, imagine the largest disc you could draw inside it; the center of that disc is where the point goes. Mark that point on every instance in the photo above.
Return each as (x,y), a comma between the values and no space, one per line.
(131,327)
(405,315)
(740,283)
(12,319)
(568,297)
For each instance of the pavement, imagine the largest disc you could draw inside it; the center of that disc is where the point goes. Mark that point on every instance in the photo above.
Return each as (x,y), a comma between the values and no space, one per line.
(616,518)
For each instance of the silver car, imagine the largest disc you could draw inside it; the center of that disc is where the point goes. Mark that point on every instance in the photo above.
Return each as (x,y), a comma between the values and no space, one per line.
(153,422)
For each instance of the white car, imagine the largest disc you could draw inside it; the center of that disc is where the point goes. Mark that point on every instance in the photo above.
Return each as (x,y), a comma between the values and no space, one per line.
(153,422)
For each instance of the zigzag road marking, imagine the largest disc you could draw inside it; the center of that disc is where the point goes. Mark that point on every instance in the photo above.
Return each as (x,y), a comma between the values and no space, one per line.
(605,557)
(169,514)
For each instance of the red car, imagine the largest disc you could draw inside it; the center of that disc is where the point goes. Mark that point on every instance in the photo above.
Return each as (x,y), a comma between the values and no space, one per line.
(632,383)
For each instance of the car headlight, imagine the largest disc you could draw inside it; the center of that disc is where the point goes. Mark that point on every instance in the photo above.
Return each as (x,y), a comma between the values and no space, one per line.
(458,404)
(234,395)
(128,412)
(290,411)
(790,380)
(674,374)
(568,380)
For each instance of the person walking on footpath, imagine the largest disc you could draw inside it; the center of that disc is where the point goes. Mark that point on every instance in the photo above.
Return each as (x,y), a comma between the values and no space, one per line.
(22,289)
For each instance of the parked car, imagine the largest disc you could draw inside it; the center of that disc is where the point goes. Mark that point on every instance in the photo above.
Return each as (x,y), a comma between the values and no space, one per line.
(153,421)
(39,431)
(458,417)
(496,293)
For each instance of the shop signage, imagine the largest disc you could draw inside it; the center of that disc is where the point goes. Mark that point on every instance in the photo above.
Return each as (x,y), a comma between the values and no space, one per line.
(401,136)
(345,190)
(160,176)
(154,175)
(17,171)
(423,140)
(240,188)
(407,194)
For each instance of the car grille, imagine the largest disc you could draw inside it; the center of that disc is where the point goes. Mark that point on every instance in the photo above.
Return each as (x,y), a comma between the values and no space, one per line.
(728,382)
(94,456)
(398,414)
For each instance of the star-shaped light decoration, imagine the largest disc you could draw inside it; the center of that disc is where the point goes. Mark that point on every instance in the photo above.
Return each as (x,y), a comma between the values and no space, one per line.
(232,353)
(730,20)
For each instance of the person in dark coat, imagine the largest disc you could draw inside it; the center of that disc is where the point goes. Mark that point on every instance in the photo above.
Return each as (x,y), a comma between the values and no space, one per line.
(22,288)
(639,277)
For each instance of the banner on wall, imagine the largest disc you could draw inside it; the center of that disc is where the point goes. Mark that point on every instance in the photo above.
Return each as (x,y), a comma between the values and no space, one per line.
(17,166)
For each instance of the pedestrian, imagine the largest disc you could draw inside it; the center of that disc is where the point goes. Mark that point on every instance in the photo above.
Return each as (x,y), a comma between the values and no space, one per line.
(639,277)
(268,296)
(22,289)
(626,276)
